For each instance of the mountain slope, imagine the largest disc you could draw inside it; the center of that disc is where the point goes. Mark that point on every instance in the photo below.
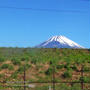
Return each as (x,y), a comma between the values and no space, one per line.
(59,42)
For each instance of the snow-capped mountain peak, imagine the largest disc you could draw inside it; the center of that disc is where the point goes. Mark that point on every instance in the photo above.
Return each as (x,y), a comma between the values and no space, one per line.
(59,42)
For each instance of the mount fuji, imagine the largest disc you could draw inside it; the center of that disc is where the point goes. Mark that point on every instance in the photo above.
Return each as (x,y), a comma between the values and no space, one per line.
(59,42)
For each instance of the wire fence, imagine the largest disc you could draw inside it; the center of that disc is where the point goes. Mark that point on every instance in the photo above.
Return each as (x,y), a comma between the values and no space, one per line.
(30,85)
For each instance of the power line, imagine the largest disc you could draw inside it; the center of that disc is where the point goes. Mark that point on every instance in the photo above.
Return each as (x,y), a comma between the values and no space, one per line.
(12,42)
(49,10)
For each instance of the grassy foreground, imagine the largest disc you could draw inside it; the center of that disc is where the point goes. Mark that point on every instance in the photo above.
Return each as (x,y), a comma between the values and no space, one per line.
(39,67)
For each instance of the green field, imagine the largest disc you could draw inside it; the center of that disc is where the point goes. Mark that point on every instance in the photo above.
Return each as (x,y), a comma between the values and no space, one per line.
(39,64)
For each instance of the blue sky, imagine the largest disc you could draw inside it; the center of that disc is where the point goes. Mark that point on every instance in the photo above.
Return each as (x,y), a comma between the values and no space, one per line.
(25,28)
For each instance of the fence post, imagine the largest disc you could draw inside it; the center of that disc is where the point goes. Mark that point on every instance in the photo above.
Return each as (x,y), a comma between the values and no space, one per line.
(24,78)
(72,84)
(82,76)
(53,77)
(4,82)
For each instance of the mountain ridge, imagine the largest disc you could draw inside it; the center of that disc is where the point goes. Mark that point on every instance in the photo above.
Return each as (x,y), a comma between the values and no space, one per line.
(59,42)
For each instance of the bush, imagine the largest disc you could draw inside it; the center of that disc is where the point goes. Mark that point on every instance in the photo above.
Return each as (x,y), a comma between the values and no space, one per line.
(84,79)
(2,59)
(16,61)
(49,71)
(21,69)
(62,87)
(1,75)
(76,87)
(50,62)
(68,67)
(67,74)
(14,75)
(60,66)
(78,61)
(25,67)
(11,67)
(34,61)
(7,66)
(74,67)
(86,69)
(25,58)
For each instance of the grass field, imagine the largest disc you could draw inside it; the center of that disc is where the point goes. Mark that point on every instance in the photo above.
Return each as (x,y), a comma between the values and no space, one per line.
(39,65)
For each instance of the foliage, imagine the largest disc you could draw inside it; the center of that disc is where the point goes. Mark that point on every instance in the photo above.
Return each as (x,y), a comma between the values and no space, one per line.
(1,75)
(24,68)
(67,74)
(25,58)
(60,66)
(40,63)
(86,69)
(2,59)
(74,67)
(7,66)
(16,61)
(85,79)
(14,75)
(49,71)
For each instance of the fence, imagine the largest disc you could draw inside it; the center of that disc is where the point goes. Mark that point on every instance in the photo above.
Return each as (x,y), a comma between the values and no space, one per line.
(23,85)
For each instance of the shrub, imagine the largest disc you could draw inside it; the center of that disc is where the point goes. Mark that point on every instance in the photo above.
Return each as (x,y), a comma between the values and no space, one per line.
(86,69)
(34,61)
(67,74)
(38,67)
(25,58)
(68,67)
(7,66)
(78,61)
(62,87)
(74,67)
(14,75)
(49,71)
(0,68)
(84,79)
(21,69)
(25,67)
(60,66)
(1,75)
(16,61)
(76,87)
(11,67)
(2,59)
(50,62)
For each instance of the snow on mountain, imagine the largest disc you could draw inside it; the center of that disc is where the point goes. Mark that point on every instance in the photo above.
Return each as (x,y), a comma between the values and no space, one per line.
(59,42)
